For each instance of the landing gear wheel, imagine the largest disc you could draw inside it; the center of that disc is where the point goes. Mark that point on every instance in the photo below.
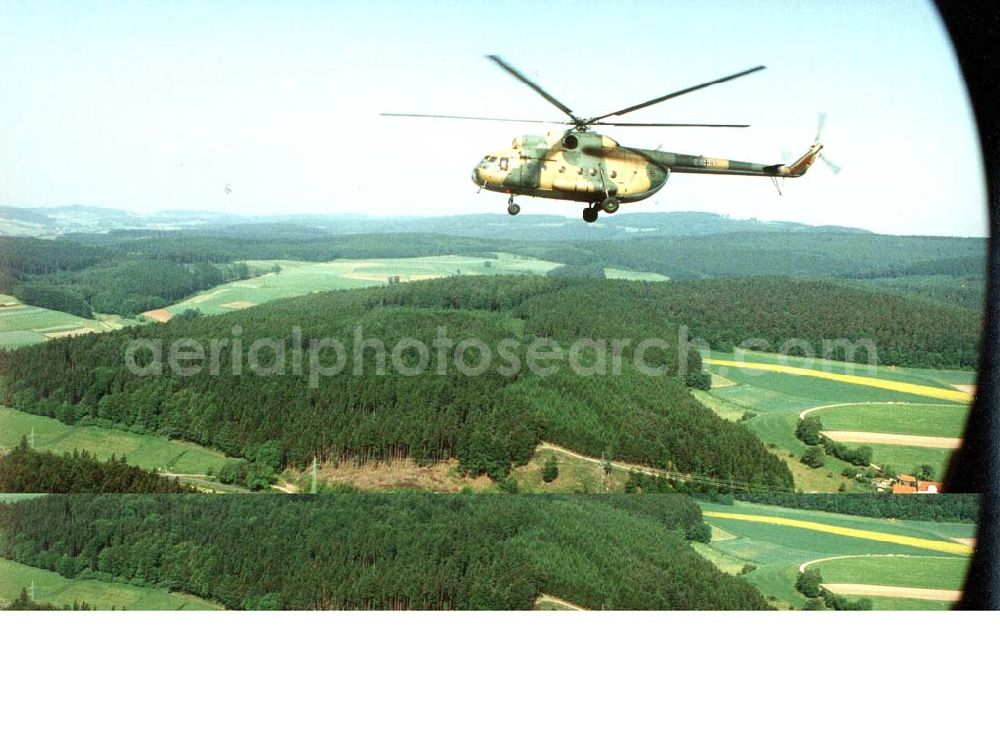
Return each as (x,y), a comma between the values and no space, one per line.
(513,209)
(610,204)
(590,214)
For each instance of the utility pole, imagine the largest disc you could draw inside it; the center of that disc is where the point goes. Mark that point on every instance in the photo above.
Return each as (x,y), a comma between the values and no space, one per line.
(314,476)
(32,437)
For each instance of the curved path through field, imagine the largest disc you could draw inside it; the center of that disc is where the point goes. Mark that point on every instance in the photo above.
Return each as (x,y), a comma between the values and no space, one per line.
(897,592)
(817,561)
(945,394)
(937,545)
(802,414)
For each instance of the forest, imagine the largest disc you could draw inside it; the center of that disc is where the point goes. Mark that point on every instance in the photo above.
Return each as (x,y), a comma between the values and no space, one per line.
(489,422)
(26,470)
(814,254)
(389,551)
(494,420)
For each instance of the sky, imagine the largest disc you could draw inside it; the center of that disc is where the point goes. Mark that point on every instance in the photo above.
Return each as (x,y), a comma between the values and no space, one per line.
(147,106)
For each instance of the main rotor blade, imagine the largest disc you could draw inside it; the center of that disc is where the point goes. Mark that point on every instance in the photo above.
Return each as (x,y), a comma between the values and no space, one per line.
(464,117)
(538,89)
(688,90)
(666,125)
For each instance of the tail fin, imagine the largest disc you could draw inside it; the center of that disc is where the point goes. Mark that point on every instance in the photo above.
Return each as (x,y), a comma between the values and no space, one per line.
(801,165)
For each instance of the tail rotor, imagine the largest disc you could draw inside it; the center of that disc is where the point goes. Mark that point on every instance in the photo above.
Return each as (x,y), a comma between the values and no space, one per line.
(820,124)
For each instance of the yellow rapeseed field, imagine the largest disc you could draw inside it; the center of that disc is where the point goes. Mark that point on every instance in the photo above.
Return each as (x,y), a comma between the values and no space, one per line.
(946,394)
(911,541)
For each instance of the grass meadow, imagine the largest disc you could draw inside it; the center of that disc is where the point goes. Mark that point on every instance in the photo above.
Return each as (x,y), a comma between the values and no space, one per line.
(146,451)
(52,588)
(298,278)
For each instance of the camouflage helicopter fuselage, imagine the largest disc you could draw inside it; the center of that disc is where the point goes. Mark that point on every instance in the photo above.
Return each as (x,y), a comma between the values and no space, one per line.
(590,167)
(581,165)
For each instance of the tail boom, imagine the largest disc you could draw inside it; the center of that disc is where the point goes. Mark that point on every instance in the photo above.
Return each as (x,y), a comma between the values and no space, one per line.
(685,163)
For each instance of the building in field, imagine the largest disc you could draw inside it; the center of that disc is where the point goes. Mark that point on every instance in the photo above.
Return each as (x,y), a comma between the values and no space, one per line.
(908,485)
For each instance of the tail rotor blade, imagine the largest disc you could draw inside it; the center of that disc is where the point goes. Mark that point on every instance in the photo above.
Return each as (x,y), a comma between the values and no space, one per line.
(820,124)
(835,168)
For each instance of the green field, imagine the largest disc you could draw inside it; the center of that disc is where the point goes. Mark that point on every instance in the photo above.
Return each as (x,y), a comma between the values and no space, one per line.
(52,588)
(919,572)
(725,409)
(146,451)
(622,273)
(22,325)
(16,497)
(904,459)
(778,398)
(302,277)
(942,420)
(778,551)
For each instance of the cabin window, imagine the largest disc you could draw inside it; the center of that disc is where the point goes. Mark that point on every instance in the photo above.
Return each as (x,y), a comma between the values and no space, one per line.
(614,174)
(579,170)
(593,172)
(562,169)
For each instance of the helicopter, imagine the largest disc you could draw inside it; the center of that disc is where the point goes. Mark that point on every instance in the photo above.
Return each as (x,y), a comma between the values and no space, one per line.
(579,164)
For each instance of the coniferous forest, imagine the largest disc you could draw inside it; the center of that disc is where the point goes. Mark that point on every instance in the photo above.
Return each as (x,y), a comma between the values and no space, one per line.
(394,551)
(491,421)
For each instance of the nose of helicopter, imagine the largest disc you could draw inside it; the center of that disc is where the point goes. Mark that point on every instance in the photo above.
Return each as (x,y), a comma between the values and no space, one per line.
(477,177)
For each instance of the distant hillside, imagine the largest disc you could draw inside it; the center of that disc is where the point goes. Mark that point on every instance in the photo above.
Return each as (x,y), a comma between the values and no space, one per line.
(539,227)
(542,227)
(811,254)
(124,270)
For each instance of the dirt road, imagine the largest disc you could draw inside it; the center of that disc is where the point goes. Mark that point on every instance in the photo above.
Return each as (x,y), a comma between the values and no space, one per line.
(896,592)
(892,438)
(560,604)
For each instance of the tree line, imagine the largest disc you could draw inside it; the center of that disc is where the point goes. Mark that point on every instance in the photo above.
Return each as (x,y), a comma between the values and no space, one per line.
(24,603)
(928,507)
